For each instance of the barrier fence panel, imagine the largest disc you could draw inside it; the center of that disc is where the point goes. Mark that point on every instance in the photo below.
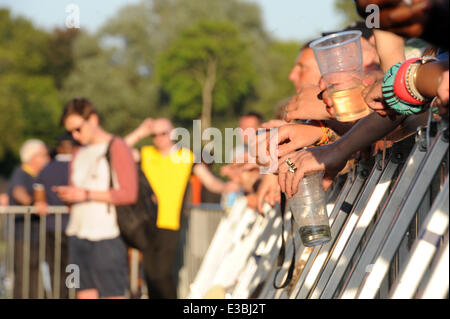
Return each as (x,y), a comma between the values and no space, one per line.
(405,215)
(374,223)
(200,225)
(218,247)
(363,222)
(24,258)
(232,265)
(436,287)
(347,229)
(335,199)
(266,284)
(424,248)
(320,253)
(263,248)
(267,260)
(362,264)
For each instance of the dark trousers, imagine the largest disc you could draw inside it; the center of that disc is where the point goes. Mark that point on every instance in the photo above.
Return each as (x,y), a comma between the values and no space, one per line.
(159,262)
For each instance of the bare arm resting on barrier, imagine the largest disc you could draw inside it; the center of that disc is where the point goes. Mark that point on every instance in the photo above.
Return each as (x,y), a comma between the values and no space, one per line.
(21,196)
(333,157)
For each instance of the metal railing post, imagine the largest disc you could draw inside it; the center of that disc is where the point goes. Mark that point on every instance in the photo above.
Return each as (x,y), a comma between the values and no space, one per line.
(407,211)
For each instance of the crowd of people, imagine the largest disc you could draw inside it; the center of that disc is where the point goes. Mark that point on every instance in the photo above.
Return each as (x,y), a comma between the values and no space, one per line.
(309,139)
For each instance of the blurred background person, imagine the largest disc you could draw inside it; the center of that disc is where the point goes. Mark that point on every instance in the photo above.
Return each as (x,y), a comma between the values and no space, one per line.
(33,156)
(56,173)
(168,171)
(95,244)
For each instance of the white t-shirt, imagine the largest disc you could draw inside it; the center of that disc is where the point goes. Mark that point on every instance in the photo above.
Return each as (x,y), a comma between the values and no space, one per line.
(92,220)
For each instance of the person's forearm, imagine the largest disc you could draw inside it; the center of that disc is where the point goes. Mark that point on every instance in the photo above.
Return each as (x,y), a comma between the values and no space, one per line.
(428,76)
(364,133)
(21,196)
(390,48)
(212,183)
(339,127)
(100,196)
(132,138)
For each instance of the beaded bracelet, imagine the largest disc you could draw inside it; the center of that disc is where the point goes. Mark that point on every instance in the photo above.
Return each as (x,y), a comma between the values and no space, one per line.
(391,99)
(327,135)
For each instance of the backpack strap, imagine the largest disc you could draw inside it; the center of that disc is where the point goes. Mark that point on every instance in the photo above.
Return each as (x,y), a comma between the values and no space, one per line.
(108,159)
(282,252)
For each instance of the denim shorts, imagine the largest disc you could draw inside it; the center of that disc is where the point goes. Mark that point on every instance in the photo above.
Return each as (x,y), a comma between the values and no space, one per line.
(103,265)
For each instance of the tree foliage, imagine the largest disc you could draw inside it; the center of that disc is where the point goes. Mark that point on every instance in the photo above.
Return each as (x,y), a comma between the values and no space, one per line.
(209,65)
(347,10)
(149,59)
(30,104)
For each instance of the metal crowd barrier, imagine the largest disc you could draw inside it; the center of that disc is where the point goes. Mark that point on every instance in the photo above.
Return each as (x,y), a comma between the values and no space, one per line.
(201,225)
(7,250)
(48,285)
(389,228)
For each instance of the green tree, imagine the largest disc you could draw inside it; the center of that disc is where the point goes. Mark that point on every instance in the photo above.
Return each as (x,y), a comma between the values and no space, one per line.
(30,104)
(59,54)
(208,66)
(347,10)
(272,83)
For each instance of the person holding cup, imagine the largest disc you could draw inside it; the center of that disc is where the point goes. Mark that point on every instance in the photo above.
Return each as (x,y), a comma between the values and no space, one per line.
(21,192)
(339,57)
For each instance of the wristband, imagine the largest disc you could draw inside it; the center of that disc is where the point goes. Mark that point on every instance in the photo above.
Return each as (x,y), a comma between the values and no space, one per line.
(391,99)
(87,195)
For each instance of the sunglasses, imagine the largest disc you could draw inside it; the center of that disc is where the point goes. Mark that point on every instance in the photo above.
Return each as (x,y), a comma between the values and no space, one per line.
(78,129)
(159,134)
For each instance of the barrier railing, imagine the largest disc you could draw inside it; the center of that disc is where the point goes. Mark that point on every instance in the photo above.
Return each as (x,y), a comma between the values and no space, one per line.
(389,228)
(24,257)
(52,277)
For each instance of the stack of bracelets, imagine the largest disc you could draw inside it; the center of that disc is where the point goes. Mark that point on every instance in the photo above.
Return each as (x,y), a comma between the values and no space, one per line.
(399,87)
(328,135)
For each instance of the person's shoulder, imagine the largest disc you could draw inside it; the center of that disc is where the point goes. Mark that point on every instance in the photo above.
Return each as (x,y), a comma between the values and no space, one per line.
(119,145)
(54,167)
(119,142)
(17,171)
(20,177)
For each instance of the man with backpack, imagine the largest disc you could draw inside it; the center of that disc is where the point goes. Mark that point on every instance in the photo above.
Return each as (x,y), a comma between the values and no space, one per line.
(97,188)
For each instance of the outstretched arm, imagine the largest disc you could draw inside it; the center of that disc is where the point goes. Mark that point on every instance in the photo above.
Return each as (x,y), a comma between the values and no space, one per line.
(139,133)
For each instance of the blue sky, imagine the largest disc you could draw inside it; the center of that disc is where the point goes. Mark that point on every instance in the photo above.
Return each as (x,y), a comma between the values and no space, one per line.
(285,19)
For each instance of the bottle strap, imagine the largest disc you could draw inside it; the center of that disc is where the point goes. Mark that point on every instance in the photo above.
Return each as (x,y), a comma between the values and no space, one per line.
(282,252)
